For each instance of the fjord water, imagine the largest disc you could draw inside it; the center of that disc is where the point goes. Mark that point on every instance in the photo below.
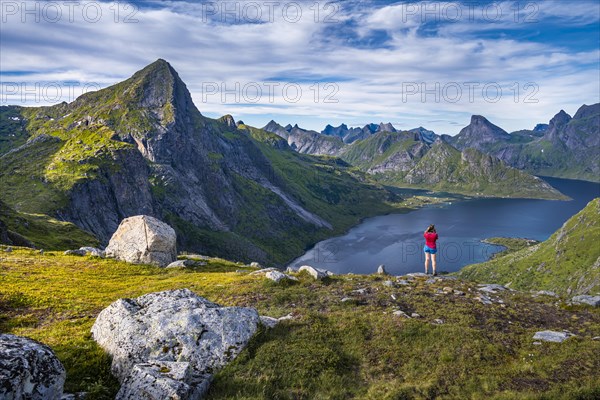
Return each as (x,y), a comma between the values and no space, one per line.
(396,240)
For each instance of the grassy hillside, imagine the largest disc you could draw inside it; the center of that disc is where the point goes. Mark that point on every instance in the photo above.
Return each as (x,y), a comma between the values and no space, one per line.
(331,349)
(42,231)
(567,263)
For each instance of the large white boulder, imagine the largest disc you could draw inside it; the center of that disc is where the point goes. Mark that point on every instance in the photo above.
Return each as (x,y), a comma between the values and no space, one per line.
(143,240)
(173,326)
(29,370)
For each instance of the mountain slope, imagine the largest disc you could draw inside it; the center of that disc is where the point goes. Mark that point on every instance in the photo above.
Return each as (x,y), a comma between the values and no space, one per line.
(142,147)
(567,148)
(567,263)
(406,159)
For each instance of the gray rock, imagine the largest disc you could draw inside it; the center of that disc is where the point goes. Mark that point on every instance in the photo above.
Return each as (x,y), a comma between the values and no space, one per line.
(415,315)
(360,292)
(255,265)
(318,274)
(79,253)
(181,264)
(92,251)
(552,336)
(430,281)
(381,270)
(277,276)
(173,326)
(264,271)
(388,283)
(290,270)
(492,288)
(417,274)
(271,322)
(400,313)
(584,299)
(403,282)
(143,240)
(546,293)
(8,249)
(160,380)
(29,370)
(346,299)
(438,321)
(484,299)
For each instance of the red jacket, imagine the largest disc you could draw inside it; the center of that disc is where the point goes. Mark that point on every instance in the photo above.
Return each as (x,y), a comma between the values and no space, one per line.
(430,238)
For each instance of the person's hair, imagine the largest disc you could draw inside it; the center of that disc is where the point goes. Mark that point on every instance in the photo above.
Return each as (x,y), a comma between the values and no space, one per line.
(431,228)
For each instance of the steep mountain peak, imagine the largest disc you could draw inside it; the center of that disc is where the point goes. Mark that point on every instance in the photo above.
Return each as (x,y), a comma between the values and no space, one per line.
(386,127)
(479,132)
(228,121)
(586,111)
(559,120)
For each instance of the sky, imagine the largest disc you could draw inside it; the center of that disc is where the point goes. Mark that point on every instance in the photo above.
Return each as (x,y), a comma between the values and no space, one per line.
(313,63)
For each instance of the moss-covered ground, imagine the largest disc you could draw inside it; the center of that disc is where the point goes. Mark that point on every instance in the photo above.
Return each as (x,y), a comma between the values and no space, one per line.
(330,349)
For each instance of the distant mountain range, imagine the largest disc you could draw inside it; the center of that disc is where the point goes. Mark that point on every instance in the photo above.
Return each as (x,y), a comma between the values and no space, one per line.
(567,147)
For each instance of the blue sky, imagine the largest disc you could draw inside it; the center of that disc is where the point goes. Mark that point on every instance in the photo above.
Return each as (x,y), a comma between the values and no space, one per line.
(430,64)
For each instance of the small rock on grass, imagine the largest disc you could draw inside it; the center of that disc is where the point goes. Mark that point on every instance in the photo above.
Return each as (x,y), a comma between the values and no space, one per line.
(277,276)
(552,336)
(589,300)
(381,270)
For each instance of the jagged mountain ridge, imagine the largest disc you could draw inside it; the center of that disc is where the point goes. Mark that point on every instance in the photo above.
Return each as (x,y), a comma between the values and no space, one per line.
(142,147)
(404,159)
(569,147)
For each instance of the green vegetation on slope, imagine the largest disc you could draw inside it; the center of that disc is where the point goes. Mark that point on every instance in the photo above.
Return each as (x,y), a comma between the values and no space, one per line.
(331,349)
(567,263)
(44,232)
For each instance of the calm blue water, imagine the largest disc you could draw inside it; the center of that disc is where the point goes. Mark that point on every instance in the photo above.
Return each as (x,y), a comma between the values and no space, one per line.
(397,240)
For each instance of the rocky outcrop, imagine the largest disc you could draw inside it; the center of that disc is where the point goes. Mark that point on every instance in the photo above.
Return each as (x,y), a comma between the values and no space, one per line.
(305,141)
(193,335)
(316,273)
(29,370)
(143,239)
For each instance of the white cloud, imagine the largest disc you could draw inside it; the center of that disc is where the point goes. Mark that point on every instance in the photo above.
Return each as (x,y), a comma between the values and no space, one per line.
(370,79)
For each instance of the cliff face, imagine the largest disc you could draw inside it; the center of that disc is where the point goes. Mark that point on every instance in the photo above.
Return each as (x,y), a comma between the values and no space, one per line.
(142,147)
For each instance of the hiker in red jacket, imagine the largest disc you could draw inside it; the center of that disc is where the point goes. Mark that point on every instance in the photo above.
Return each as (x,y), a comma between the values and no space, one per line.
(430,248)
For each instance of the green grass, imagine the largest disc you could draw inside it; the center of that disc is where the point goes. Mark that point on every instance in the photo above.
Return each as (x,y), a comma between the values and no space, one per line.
(566,263)
(510,244)
(330,350)
(47,233)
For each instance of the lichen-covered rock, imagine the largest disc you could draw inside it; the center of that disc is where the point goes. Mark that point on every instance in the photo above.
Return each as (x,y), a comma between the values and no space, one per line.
(173,326)
(585,299)
(552,336)
(277,276)
(29,370)
(381,270)
(314,272)
(143,239)
(161,380)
